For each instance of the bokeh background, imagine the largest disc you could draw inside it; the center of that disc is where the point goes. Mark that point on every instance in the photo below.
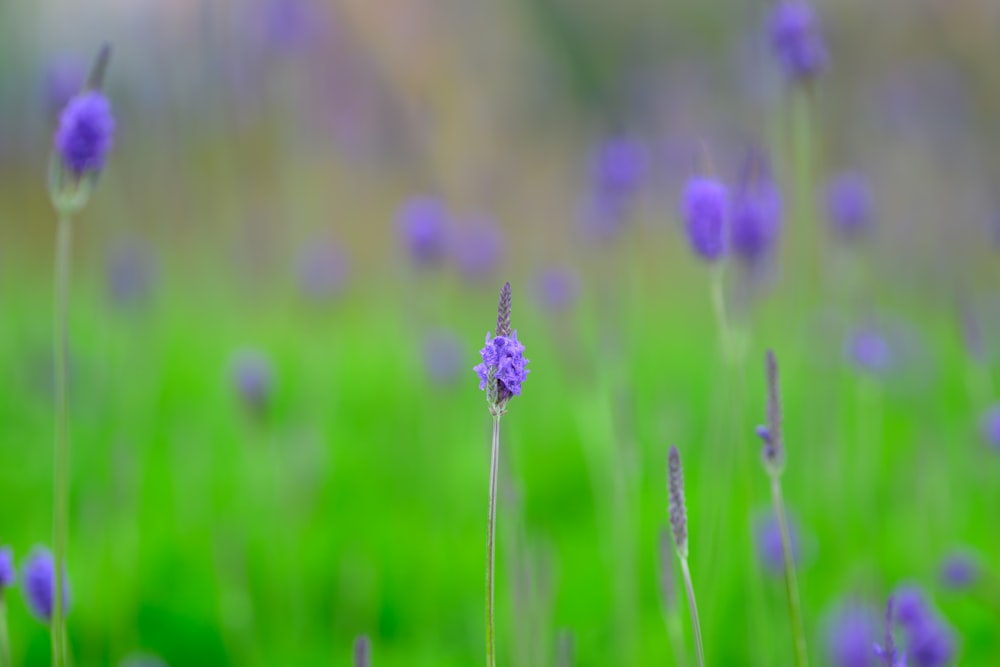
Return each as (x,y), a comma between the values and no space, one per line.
(278,440)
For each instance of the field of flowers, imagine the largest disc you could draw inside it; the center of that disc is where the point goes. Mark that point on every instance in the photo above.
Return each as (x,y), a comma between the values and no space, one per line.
(760,240)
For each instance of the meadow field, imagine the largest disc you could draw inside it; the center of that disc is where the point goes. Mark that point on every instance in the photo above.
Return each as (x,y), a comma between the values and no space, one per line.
(281,283)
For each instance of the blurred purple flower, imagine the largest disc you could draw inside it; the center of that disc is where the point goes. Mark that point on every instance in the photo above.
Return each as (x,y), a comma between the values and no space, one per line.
(929,640)
(64,79)
(849,205)
(362,652)
(39,583)
(288,24)
(444,357)
(886,651)
(478,250)
(756,211)
(8,575)
(558,288)
(796,39)
(867,349)
(959,569)
(704,209)
(424,225)
(618,168)
(767,540)
(322,270)
(129,274)
(253,379)
(505,357)
(850,633)
(990,427)
(83,138)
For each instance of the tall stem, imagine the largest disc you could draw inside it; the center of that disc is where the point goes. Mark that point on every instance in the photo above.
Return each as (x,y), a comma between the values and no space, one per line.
(791,585)
(693,608)
(60,501)
(491,658)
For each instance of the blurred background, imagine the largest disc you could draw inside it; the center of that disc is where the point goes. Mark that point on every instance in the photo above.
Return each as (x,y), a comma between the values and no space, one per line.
(282,284)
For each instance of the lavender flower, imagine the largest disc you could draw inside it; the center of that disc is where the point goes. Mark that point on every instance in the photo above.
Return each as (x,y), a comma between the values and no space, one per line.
(796,40)
(424,225)
(704,210)
(443,353)
(362,652)
(959,569)
(558,288)
(617,170)
(756,212)
(478,250)
(929,640)
(129,275)
(83,138)
(910,605)
(322,270)
(767,538)
(39,584)
(886,652)
(869,351)
(850,635)
(678,512)
(849,205)
(253,379)
(990,427)
(8,575)
(773,452)
(503,367)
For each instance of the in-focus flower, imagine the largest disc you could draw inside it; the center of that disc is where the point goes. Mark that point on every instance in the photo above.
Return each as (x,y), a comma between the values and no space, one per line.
(443,357)
(959,569)
(322,270)
(850,633)
(756,212)
(253,379)
(868,350)
(797,40)
(425,227)
(478,250)
(503,368)
(8,575)
(129,275)
(990,427)
(704,210)
(849,205)
(558,288)
(39,584)
(86,128)
(767,540)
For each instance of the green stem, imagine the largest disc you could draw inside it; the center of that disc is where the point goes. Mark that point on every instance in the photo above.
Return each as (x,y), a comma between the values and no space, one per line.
(60,504)
(491,658)
(4,636)
(693,608)
(718,295)
(791,585)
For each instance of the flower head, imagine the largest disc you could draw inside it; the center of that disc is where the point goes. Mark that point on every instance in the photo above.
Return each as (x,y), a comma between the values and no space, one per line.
(83,138)
(756,212)
(850,634)
(558,288)
(39,583)
(362,652)
(704,209)
(990,426)
(8,575)
(617,170)
(930,641)
(796,40)
(253,378)
(849,205)
(678,511)
(959,569)
(503,368)
(424,226)
(869,351)
(767,539)
(887,652)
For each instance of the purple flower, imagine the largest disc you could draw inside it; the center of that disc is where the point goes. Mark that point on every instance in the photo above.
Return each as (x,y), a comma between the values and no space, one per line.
(756,212)
(362,652)
(322,270)
(83,138)
(478,250)
(849,205)
(443,354)
(704,210)
(39,583)
(886,651)
(850,634)
(990,427)
(424,226)
(253,379)
(959,569)
(64,78)
(558,288)
(503,356)
(929,640)
(617,170)
(767,539)
(8,575)
(869,351)
(129,275)
(796,40)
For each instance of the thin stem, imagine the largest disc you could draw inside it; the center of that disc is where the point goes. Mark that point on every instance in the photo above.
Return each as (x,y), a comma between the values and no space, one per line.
(4,636)
(791,585)
(718,295)
(693,608)
(60,504)
(491,658)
